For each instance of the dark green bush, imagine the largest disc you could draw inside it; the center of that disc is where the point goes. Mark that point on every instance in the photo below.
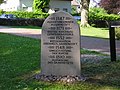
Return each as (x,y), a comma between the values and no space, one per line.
(117,33)
(1,11)
(21,22)
(24,19)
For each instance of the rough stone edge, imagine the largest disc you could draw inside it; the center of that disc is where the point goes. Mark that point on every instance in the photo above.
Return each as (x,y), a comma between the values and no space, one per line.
(53,78)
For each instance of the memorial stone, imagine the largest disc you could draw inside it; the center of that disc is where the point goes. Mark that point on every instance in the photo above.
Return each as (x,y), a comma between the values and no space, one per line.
(60,45)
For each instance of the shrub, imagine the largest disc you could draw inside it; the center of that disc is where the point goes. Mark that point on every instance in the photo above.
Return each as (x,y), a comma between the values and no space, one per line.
(74,11)
(98,17)
(21,22)
(101,14)
(40,5)
(25,18)
(97,11)
(1,11)
(117,33)
(24,14)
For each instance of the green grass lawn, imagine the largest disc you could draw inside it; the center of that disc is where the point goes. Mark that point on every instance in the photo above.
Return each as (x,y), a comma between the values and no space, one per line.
(20,60)
(95,32)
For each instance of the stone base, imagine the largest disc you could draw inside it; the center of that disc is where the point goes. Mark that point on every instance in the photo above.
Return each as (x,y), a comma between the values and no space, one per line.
(65,79)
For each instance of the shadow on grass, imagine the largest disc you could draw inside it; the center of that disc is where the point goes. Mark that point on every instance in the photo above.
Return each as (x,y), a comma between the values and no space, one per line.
(105,73)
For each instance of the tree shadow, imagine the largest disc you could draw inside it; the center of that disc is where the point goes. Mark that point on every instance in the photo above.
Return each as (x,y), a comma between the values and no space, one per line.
(105,74)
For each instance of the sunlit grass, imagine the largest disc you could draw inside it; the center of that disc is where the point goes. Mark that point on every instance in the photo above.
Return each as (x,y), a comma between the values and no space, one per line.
(95,32)
(20,60)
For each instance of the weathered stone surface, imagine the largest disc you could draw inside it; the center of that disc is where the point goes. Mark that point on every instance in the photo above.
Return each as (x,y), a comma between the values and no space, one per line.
(60,44)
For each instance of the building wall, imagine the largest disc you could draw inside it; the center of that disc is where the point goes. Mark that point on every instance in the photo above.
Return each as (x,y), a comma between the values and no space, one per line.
(56,5)
(10,5)
(26,5)
(15,5)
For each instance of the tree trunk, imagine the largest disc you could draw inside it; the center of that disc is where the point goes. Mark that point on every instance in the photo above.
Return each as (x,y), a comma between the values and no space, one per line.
(84,12)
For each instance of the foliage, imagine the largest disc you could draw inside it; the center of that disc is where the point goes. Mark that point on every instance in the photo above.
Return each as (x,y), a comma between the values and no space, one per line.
(24,18)
(96,10)
(25,14)
(21,22)
(1,1)
(40,5)
(74,11)
(108,17)
(117,33)
(112,6)
(98,17)
(1,11)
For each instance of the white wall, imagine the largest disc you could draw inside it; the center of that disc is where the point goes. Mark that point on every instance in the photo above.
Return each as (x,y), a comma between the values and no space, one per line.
(26,5)
(14,5)
(10,5)
(59,4)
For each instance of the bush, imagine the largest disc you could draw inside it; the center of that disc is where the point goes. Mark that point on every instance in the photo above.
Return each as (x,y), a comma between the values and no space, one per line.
(24,19)
(98,17)
(74,11)
(101,14)
(21,22)
(117,33)
(1,11)
(99,23)
(96,10)
(24,14)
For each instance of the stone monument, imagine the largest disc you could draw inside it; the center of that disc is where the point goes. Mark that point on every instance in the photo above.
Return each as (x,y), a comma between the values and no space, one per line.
(60,45)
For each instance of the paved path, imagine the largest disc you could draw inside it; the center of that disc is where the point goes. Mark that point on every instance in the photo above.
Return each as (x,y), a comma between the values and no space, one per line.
(101,45)
(96,44)
(33,33)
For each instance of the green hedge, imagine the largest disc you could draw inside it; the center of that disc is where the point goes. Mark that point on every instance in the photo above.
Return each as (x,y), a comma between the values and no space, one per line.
(24,19)
(23,14)
(98,17)
(21,22)
(102,20)
(107,17)
(101,14)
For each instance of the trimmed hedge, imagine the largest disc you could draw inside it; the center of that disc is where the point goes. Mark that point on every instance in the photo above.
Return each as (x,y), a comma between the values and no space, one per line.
(98,17)
(23,14)
(108,17)
(22,22)
(99,23)
(102,20)
(24,19)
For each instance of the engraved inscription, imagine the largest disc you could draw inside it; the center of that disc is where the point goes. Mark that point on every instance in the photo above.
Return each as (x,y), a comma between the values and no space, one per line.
(60,44)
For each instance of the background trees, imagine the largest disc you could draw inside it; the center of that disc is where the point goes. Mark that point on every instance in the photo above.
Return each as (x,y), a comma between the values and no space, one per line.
(1,1)
(112,6)
(40,5)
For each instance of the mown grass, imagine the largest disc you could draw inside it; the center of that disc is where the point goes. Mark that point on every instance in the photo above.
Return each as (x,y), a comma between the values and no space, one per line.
(95,32)
(20,60)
